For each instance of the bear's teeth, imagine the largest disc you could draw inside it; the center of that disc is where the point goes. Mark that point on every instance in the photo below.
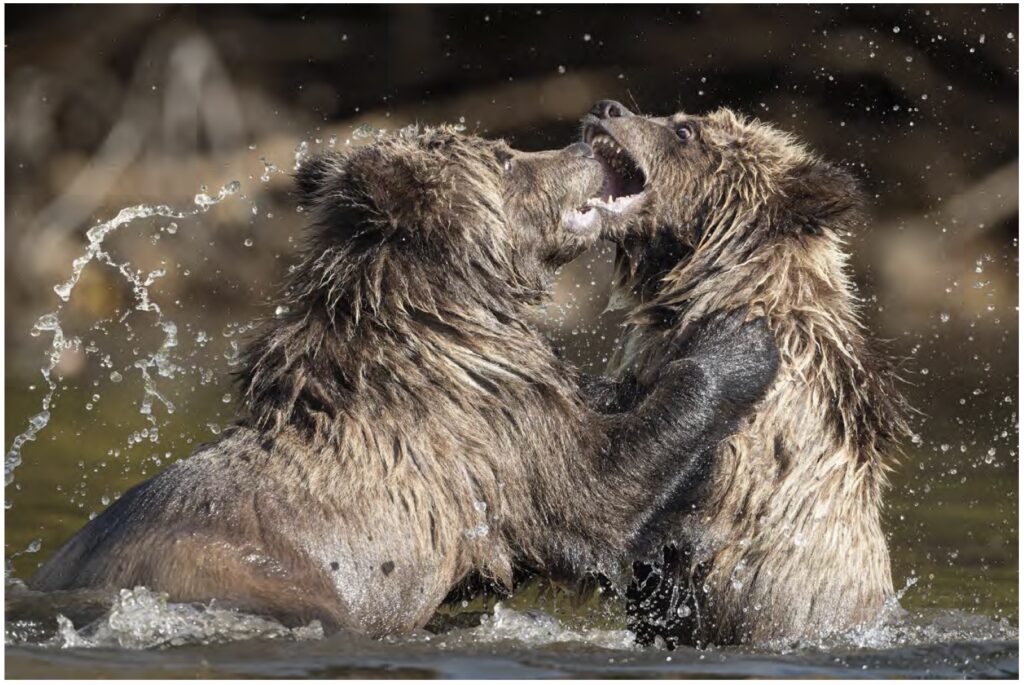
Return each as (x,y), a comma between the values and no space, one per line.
(616,205)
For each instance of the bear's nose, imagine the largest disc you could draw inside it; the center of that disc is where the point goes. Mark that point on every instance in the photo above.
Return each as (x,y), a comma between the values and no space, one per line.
(609,109)
(580,150)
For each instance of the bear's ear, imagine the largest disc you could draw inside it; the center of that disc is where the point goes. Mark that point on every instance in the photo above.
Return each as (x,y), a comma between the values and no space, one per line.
(820,197)
(314,176)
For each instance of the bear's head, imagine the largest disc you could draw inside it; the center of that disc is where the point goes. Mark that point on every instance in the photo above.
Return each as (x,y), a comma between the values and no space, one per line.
(684,184)
(456,210)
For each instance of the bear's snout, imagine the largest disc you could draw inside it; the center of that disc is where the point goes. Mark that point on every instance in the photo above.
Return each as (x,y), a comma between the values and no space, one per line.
(610,109)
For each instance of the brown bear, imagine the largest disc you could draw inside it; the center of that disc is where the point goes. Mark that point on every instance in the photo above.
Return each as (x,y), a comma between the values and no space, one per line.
(714,213)
(403,426)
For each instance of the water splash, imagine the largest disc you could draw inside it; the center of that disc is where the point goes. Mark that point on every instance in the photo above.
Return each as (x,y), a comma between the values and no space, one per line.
(301,154)
(365,131)
(535,628)
(897,628)
(142,619)
(268,169)
(34,546)
(51,322)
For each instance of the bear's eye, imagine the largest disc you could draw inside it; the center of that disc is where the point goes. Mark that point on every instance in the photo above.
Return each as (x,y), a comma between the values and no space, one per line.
(684,132)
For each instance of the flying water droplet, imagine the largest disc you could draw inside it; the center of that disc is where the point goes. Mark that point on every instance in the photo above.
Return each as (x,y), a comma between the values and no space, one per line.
(364,131)
(51,322)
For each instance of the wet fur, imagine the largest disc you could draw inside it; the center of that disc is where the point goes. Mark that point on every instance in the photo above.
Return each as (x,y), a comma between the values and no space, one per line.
(404,427)
(787,540)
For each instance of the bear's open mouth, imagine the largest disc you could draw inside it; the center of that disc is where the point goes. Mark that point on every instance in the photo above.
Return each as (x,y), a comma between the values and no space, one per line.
(623,187)
(624,179)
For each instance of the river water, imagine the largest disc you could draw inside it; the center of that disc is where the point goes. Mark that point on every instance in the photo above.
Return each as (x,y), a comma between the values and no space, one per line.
(954,553)
(143,636)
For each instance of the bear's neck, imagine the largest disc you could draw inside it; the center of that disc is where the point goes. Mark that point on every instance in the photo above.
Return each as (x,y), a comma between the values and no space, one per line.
(800,284)
(365,337)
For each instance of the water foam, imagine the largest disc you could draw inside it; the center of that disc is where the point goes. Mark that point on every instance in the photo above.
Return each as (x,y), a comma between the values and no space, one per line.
(536,628)
(142,619)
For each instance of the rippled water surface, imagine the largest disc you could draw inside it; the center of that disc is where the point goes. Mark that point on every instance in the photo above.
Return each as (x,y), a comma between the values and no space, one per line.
(143,636)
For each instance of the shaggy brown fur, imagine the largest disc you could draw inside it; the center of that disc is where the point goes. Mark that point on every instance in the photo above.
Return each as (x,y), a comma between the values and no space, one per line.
(404,426)
(788,539)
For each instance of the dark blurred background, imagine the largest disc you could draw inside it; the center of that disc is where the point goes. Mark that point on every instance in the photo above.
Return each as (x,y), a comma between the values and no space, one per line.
(108,107)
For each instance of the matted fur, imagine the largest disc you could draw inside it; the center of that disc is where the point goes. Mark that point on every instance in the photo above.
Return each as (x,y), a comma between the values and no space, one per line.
(787,540)
(403,425)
